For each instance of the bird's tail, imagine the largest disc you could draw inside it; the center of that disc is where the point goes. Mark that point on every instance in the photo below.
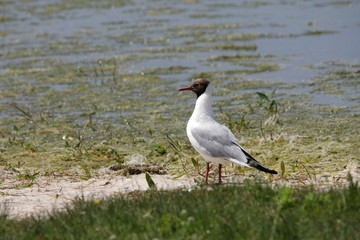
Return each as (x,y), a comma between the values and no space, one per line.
(264,169)
(253,163)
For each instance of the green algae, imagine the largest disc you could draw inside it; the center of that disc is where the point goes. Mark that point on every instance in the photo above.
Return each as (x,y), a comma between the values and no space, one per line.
(164,11)
(185,49)
(233,37)
(50,142)
(256,63)
(336,79)
(206,26)
(44,137)
(238,57)
(169,70)
(251,68)
(53,8)
(318,32)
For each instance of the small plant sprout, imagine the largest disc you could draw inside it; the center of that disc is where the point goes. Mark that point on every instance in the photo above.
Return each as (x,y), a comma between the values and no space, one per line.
(150,182)
(270,114)
(282,166)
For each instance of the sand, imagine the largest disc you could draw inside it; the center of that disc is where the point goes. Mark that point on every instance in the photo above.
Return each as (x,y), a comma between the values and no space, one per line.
(53,193)
(19,199)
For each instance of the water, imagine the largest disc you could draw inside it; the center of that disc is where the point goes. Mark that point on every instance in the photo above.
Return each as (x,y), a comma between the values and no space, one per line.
(44,40)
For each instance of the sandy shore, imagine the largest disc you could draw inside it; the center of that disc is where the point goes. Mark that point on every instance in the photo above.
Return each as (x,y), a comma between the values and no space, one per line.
(48,193)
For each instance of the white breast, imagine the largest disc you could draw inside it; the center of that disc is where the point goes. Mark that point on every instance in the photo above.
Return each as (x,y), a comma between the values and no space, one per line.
(202,115)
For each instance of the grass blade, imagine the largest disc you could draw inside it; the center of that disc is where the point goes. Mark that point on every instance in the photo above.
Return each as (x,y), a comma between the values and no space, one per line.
(194,162)
(150,182)
(263,96)
(282,166)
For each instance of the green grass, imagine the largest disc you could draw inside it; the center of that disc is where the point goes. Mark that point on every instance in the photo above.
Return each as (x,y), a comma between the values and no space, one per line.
(248,211)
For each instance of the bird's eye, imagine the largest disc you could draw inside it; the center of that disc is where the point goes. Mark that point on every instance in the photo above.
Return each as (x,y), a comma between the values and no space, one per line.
(196,85)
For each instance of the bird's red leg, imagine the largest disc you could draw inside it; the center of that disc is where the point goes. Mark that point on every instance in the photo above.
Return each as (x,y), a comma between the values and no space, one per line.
(207,172)
(220,167)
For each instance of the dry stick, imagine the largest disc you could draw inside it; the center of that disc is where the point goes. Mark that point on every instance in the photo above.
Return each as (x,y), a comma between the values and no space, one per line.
(173,145)
(25,114)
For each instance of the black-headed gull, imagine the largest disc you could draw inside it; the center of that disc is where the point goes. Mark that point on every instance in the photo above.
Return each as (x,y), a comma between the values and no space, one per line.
(214,141)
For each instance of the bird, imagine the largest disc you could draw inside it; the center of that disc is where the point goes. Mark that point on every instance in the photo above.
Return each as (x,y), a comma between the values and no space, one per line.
(211,139)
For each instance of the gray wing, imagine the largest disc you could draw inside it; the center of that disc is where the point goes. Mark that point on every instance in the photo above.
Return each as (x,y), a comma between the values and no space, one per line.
(219,142)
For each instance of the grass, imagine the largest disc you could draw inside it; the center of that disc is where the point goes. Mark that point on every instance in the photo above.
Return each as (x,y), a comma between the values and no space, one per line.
(248,211)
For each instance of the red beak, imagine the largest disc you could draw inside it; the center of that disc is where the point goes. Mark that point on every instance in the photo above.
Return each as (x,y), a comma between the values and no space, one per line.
(185,89)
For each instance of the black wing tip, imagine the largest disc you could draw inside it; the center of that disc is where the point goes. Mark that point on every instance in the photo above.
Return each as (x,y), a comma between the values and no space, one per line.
(252,161)
(273,172)
(264,169)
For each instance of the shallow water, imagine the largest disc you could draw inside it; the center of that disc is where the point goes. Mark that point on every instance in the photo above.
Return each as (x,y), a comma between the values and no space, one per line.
(296,42)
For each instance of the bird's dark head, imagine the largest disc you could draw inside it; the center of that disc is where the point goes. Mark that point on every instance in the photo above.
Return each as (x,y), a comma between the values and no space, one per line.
(198,86)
